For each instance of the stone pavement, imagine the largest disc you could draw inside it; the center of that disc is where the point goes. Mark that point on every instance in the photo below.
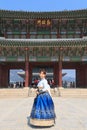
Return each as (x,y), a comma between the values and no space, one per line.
(71,114)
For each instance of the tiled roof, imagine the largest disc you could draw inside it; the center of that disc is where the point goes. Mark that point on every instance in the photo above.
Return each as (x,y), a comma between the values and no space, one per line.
(43,42)
(33,15)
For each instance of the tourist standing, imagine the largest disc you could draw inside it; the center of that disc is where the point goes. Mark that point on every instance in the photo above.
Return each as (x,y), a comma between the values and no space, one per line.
(42,113)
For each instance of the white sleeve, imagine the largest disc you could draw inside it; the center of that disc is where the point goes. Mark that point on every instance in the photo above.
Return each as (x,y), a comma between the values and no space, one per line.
(40,84)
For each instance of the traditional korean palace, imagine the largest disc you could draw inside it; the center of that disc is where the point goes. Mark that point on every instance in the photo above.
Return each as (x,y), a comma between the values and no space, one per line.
(54,40)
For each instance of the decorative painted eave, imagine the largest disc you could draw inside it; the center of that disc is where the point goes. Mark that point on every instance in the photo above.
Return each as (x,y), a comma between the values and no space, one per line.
(37,15)
(43,42)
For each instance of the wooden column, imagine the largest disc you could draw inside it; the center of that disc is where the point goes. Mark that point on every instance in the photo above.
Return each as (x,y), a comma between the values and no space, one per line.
(60,74)
(60,68)
(26,68)
(30,74)
(28,35)
(86,76)
(4,77)
(80,77)
(56,74)
(0,76)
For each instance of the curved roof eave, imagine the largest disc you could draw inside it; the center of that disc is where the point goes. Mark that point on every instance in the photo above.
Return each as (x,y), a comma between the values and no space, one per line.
(79,42)
(54,14)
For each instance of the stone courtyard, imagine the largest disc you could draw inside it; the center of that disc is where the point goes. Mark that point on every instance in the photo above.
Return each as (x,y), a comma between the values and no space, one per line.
(71,114)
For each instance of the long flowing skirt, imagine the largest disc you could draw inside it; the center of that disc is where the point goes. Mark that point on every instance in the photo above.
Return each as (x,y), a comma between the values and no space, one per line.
(43,113)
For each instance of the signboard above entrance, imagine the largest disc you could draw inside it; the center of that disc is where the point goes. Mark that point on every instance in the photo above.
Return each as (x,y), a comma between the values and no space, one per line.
(43,22)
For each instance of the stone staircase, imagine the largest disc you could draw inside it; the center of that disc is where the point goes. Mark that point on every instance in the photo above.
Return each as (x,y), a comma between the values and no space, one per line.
(31,92)
(54,92)
(14,92)
(73,92)
(68,92)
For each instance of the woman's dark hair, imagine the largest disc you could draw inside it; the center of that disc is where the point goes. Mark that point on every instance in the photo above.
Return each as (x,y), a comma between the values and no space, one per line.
(42,70)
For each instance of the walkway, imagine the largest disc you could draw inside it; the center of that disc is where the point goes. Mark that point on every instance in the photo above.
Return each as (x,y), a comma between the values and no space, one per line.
(71,114)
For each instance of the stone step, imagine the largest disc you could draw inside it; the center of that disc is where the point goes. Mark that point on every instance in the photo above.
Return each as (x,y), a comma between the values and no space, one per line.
(76,92)
(65,92)
(6,93)
(31,92)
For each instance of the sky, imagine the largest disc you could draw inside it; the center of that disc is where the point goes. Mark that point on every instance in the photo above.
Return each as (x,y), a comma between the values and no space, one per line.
(44,5)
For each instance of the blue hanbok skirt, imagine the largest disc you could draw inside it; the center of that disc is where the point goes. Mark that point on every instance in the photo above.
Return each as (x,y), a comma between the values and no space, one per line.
(42,113)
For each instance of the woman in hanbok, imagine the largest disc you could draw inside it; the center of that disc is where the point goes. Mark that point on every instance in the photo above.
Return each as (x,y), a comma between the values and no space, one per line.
(43,113)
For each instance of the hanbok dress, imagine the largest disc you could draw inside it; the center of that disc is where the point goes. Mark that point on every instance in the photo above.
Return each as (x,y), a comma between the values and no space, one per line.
(43,111)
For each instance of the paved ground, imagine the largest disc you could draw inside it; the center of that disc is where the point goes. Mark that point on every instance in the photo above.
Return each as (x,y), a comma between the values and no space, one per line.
(71,114)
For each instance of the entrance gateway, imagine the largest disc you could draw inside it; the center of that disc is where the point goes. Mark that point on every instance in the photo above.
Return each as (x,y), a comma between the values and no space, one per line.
(37,39)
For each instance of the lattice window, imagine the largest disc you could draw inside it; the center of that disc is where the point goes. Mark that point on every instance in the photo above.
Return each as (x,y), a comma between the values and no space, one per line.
(48,51)
(9,36)
(21,52)
(70,52)
(56,51)
(64,21)
(16,36)
(85,52)
(39,36)
(3,51)
(63,30)
(46,36)
(54,29)
(9,28)
(78,52)
(34,51)
(65,52)
(32,23)
(39,51)
(77,30)
(32,36)
(16,28)
(23,36)
(0,51)
(54,22)
(69,36)
(23,28)
(79,21)
(31,52)
(8,51)
(32,29)
(15,51)
(54,36)
(23,21)
(63,36)
(77,36)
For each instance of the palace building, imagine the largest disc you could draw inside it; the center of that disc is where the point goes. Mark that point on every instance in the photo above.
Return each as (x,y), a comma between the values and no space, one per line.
(51,40)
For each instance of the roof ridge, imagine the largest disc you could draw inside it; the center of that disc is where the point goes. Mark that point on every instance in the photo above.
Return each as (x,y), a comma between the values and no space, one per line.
(58,11)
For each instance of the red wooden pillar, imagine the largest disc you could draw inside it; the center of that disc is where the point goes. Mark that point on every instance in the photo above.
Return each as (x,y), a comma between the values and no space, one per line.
(0,76)
(26,68)
(60,74)
(30,74)
(4,77)
(80,77)
(60,68)
(86,76)
(56,74)
(28,36)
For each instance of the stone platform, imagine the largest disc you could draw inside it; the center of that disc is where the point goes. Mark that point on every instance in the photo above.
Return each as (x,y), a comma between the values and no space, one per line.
(71,114)
(31,92)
